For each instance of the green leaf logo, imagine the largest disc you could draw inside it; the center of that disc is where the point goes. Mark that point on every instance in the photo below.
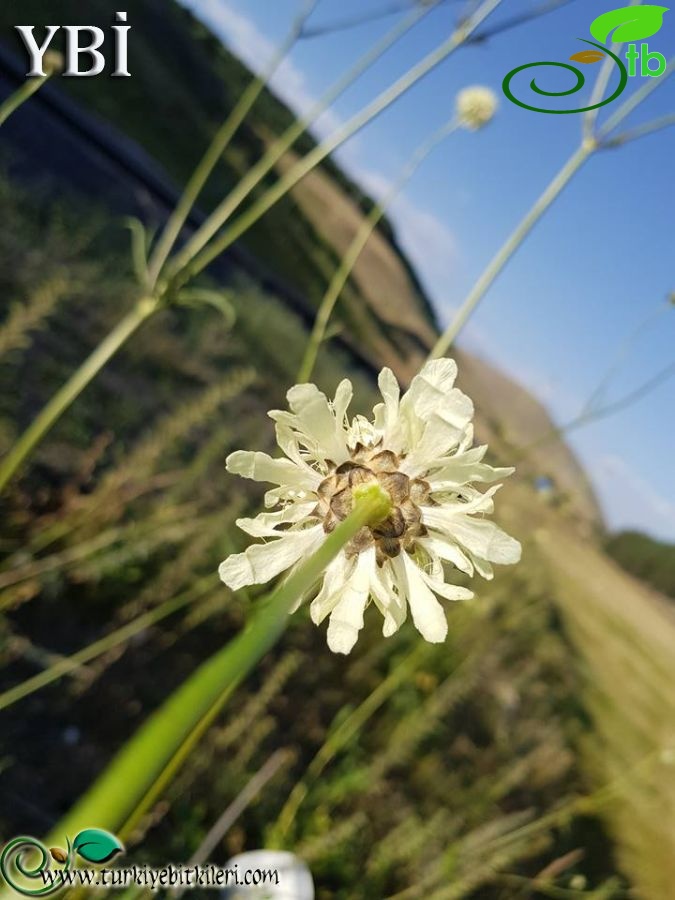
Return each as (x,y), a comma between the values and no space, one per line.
(630,23)
(96,845)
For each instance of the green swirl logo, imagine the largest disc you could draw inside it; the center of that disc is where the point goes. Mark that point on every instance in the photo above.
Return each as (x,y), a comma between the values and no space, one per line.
(27,859)
(630,23)
(580,82)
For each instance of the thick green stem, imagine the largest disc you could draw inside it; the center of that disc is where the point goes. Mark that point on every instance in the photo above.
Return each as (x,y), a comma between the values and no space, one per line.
(489,274)
(361,238)
(129,777)
(218,146)
(73,388)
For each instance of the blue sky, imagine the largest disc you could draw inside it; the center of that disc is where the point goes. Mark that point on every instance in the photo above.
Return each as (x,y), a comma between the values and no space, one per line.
(596,266)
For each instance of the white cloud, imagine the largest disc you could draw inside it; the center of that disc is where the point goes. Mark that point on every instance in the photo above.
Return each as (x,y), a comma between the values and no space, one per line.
(246,40)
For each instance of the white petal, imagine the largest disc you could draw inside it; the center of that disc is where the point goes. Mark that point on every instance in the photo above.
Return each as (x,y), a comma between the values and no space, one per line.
(391,392)
(446,549)
(261,467)
(334,580)
(261,562)
(431,393)
(388,601)
(316,420)
(346,620)
(427,612)
(448,591)
(437,438)
(480,537)
(265,524)
(462,470)
(343,397)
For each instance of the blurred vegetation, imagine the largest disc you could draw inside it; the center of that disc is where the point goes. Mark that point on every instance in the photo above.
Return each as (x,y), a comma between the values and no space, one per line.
(449,787)
(643,556)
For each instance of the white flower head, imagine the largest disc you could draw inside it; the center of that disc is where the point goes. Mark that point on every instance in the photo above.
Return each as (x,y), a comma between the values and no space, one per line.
(419,449)
(475,106)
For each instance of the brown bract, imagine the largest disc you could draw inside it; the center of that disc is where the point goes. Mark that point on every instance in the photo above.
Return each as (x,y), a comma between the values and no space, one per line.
(370,465)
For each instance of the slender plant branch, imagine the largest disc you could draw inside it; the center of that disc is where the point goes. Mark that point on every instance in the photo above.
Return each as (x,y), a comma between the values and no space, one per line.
(340,737)
(611,409)
(484,34)
(22,94)
(279,760)
(588,146)
(187,264)
(220,142)
(365,18)
(148,305)
(63,398)
(278,148)
(513,242)
(590,118)
(622,353)
(635,99)
(76,661)
(358,244)
(632,134)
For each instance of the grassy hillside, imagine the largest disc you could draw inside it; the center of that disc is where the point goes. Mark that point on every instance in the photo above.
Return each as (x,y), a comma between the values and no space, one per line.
(646,558)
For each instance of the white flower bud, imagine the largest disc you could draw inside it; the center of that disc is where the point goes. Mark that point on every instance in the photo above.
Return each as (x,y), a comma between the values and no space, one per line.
(476,105)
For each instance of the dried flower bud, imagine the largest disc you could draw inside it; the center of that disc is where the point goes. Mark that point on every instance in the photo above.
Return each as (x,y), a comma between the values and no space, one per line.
(475,107)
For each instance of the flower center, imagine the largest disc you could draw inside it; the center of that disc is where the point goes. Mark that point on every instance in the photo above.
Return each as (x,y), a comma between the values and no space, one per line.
(372,464)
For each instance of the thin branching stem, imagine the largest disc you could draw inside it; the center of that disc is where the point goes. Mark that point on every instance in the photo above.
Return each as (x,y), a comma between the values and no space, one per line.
(187,264)
(19,97)
(588,146)
(282,144)
(358,244)
(69,664)
(341,736)
(63,398)
(220,142)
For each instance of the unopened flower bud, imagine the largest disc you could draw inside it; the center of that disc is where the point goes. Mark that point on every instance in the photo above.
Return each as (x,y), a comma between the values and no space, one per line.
(475,107)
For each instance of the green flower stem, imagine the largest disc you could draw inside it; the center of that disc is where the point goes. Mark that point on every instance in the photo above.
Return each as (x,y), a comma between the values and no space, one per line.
(513,242)
(256,174)
(72,663)
(361,238)
(130,776)
(218,146)
(187,263)
(339,738)
(19,97)
(74,387)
